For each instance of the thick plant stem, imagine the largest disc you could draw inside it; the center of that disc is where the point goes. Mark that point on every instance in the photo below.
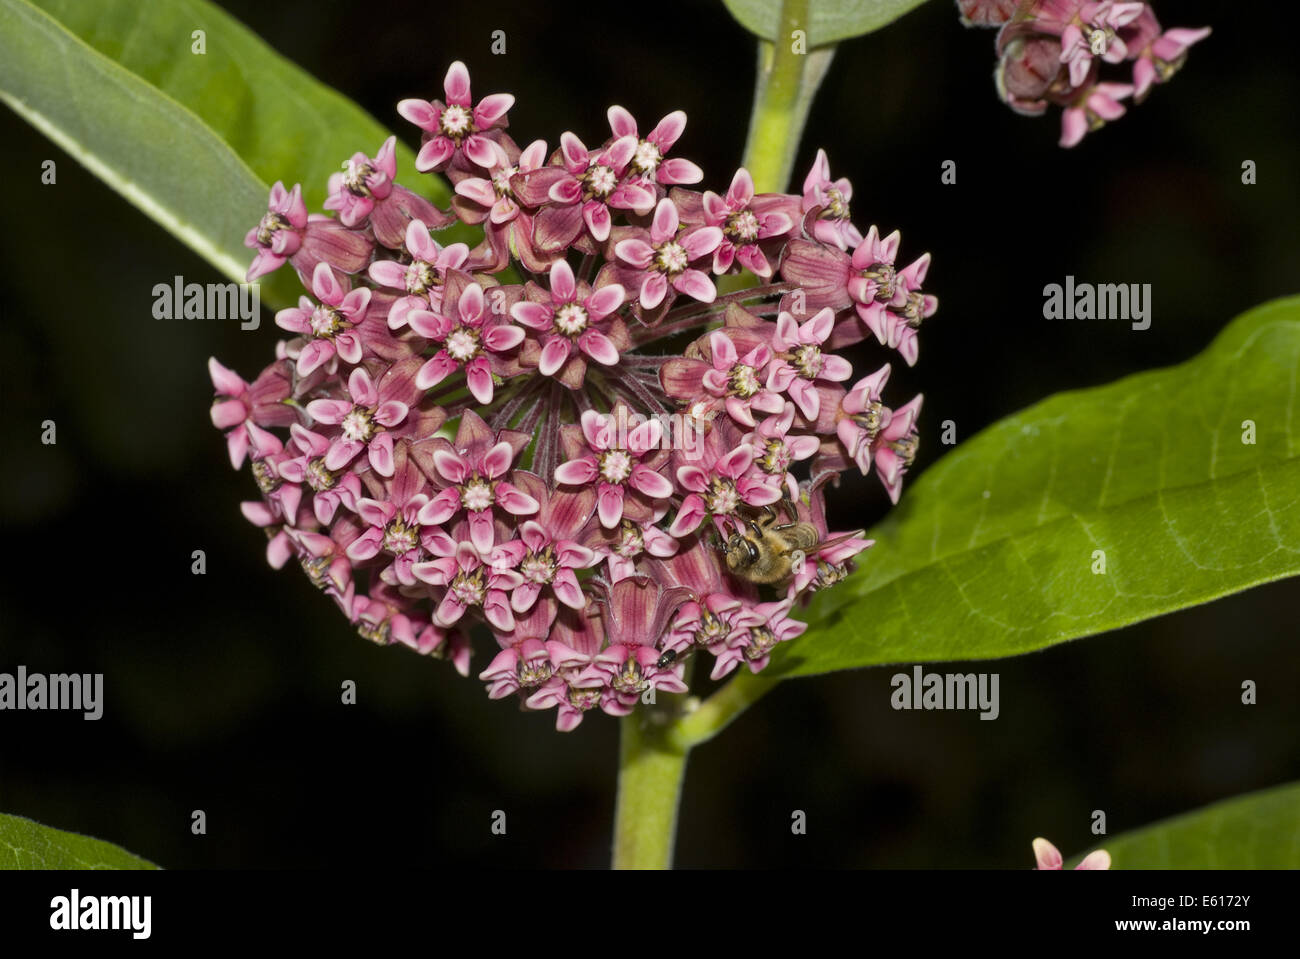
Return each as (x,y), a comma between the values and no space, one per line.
(649,786)
(652,766)
(788,76)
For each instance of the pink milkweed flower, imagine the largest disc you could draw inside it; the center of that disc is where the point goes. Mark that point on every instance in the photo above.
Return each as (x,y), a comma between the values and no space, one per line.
(379,618)
(570,319)
(323,560)
(770,623)
(894,448)
(473,476)
(365,194)
(493,202)
(663,258)
(546,553)
(524,661)
(245,410)
(423,277)
(365,421)
(492,197)
(776,450)
(364,180)
(718,484)
(831,198)
(330,490)
(648,162)
(623,545)
(799,361)
(328,326)
(613,463)
(389,521)
(738,381)
(287,232)
(458,126)
(469,336)
(279,234)
(1159,59)
(889,301)
(713,375)
(578,683)
(863,416)
(745,220)
(832,560)
(638,611)
(1049,857)
(711,621)
(1092,109)
(1092,33)
(583,190)
(470,583)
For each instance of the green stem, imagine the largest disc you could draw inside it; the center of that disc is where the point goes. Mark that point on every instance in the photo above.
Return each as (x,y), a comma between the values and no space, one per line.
(652,764)
(788,76)
(716,713)
(649,787)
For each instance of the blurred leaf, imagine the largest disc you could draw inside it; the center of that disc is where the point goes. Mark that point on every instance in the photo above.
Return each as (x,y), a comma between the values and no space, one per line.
(829,20)
(194,140)
(25,844)
(1257,831)
(146,146)
(991,552)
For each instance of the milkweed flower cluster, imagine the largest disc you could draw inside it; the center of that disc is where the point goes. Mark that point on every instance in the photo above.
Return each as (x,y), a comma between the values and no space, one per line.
(515,437)
(1055,52)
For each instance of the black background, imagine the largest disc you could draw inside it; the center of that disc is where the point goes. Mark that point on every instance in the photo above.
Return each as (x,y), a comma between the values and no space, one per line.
(222,691)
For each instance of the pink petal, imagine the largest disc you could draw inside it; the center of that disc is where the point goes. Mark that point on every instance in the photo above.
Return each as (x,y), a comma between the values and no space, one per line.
(652,484)
(634,252)
(610,505)
(456,84)
(576,472)
(653,290)
(554,355)
(598,346)
(491,109)
(695,283)
(563,287)
(381,454)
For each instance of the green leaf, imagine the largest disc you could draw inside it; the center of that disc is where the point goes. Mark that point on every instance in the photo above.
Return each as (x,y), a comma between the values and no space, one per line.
(992,551)
(193,140)
(829,21)
(1257,831)
(25,844)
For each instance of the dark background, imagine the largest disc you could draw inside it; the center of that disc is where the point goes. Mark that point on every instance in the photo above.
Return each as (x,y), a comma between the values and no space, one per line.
(222,691)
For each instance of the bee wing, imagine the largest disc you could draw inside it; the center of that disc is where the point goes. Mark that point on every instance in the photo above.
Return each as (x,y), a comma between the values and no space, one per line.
(836,540)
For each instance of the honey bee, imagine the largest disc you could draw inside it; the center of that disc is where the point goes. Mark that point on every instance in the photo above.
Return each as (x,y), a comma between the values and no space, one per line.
(768,552)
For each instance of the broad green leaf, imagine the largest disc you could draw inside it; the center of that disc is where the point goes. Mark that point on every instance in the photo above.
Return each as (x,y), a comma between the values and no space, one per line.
(148,147)
(1257,831)
(192,139)
(829,21)
(25,844)
(996,549)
